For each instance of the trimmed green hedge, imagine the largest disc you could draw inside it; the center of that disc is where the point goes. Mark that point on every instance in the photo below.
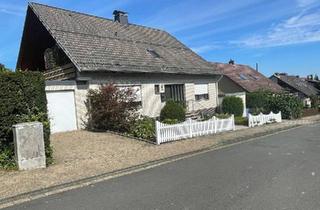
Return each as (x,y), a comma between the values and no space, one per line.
(22,99)
(232,105)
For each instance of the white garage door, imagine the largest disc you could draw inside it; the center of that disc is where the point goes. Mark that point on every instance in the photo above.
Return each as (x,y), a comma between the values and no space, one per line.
(62,111)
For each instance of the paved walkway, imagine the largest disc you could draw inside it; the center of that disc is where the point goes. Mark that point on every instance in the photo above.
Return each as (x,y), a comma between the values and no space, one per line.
(281,171)
(84,154)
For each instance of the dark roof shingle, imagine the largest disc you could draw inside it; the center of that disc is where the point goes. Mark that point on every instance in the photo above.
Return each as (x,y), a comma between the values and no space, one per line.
(247,77)
(95,44)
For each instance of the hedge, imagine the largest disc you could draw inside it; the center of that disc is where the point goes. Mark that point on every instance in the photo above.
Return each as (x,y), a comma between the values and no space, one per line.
(22,99)
(232,105)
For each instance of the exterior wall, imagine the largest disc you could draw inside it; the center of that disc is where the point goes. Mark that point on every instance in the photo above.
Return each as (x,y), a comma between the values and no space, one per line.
(226,85)
(151,102)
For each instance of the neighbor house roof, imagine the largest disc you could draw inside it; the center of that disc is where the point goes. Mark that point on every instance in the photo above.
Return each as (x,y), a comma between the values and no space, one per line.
(298,84)
(246,77)
(99,44)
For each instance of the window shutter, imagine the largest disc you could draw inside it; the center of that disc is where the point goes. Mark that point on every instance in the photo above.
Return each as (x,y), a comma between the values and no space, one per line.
(201,89)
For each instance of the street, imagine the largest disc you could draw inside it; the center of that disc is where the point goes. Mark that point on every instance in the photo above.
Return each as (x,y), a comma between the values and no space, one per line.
(280,171)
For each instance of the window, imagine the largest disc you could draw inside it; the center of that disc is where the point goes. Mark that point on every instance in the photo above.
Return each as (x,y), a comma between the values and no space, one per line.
(153,53)
(243,77)
(173,92)
(201,92)
(156,89)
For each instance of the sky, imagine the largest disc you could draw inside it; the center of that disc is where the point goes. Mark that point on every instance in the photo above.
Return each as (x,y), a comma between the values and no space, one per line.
(279,35)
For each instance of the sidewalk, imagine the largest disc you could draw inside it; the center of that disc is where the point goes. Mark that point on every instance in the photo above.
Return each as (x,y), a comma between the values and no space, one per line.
(84,154)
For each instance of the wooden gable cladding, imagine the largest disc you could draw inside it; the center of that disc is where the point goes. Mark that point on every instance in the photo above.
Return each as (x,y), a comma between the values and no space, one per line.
(65,72)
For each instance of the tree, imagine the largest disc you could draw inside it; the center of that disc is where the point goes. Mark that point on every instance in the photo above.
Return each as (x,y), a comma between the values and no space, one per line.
(3,68)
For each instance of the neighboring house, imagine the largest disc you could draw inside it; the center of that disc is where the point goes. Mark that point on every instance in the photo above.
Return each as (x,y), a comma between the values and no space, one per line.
(239,79)
(296,86)
(78,52)
(315,82)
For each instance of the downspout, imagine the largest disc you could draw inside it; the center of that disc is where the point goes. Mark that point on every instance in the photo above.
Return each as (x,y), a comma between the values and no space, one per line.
(217,89)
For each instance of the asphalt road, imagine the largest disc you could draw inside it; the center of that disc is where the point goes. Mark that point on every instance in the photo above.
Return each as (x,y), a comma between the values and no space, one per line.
(276,172)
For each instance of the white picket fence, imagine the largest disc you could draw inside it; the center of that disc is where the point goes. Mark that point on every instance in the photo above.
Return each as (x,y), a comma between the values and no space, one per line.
(261,119)
(191,128)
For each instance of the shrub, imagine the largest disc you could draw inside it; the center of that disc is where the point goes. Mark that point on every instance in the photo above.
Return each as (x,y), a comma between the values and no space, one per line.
(290,106)
(22,99)
(3,68)
(111,108)
(222,116)
(232,105)
(173,111)
(258,101)
(241,120)
(144,128)
(170,121)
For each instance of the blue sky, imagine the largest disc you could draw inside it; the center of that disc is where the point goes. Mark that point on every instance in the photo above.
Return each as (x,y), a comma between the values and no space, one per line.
(280,35)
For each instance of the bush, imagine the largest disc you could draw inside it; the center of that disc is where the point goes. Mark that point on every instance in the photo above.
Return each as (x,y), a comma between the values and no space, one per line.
(290,106)
(232,105)
(144,128)
(241,121)
(222,116)
(258,101)
(111,108)
(22,99)
(173,111)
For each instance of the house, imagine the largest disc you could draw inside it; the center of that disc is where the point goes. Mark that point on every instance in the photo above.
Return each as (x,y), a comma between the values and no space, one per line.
(314,81)
(297,86)
(240,79)
(77,52)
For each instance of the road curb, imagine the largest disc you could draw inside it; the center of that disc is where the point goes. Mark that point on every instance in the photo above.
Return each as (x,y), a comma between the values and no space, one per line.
(32,195)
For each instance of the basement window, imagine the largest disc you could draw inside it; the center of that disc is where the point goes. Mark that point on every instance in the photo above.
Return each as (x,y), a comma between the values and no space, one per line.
(153,53)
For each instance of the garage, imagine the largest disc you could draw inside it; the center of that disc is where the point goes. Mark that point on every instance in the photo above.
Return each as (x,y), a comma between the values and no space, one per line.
(62,112)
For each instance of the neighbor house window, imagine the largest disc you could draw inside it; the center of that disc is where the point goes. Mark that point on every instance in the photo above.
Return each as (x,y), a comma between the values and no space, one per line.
(201,92)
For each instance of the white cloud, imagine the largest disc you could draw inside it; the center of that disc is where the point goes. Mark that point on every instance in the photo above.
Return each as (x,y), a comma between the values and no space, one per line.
(302,28)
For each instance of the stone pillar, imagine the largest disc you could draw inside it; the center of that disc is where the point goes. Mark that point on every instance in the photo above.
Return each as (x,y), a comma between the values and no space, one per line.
(29,146)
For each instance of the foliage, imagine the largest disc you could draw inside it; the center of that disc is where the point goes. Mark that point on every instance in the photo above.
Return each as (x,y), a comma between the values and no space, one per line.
(22,99)
(3,68)
(222,116)
(7,161)
(170,121)
(111,108)
(315,101)
(264,101)
(144,128)
(241,120)
(232,105)
(258,101)
(173,111)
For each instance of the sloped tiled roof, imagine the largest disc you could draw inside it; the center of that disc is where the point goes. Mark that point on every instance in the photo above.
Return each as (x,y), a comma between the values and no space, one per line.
(298,84)
(98,44)
(246,77)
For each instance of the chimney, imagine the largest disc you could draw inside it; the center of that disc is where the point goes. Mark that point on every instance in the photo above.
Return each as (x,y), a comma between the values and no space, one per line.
(257,67)
(231,62)
(121,17)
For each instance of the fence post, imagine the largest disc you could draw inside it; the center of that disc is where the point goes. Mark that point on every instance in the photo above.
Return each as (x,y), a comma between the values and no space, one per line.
(215,124)
(158,138)
(233,123)
(190,127)
(280,117)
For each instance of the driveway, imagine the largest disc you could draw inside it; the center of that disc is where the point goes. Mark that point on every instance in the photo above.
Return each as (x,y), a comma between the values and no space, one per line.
(276,172)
